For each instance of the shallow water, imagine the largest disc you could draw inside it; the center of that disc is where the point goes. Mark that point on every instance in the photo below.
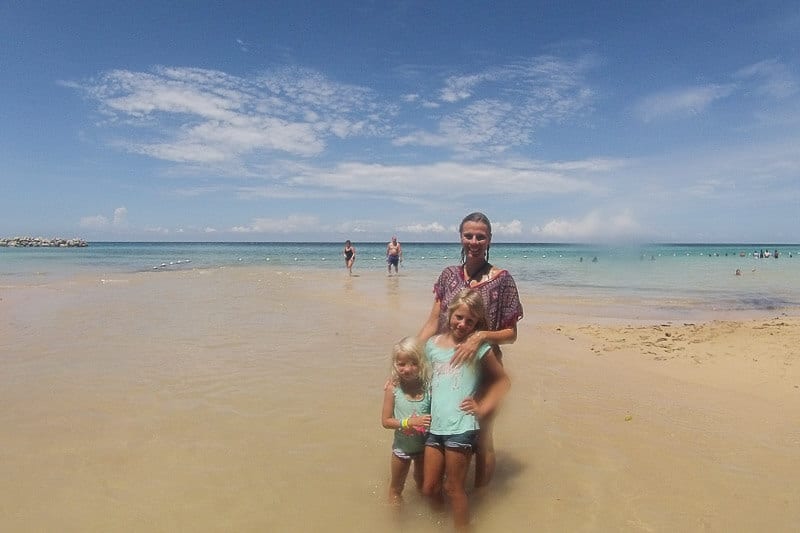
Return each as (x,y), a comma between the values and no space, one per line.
(686,278)
(248,399)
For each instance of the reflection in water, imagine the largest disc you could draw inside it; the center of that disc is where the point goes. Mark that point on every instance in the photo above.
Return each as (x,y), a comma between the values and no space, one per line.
(393,286)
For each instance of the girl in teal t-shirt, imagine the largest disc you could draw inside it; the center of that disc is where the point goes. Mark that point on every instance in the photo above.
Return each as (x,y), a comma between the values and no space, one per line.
(406,410)
(455,412)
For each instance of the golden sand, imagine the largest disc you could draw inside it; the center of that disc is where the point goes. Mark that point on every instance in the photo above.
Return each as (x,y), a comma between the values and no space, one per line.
(249,400)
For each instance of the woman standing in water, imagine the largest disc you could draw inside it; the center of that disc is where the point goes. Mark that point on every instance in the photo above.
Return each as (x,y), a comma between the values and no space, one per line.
(349,256)
(503,310)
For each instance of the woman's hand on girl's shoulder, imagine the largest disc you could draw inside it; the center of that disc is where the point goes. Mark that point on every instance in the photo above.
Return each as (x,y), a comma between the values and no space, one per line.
(466,351)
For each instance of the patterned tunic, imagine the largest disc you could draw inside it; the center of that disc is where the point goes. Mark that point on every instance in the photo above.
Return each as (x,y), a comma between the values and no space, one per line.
(499,294)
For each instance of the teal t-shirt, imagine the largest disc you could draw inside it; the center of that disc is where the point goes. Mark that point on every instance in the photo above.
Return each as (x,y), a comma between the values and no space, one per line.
(449,387)
(410,440)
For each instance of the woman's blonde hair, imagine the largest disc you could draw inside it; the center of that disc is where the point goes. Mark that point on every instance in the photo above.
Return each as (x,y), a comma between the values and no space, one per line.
(473,300)
(411,348)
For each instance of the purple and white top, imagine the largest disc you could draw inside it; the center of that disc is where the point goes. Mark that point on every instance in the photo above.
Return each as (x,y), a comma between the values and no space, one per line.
(503,308)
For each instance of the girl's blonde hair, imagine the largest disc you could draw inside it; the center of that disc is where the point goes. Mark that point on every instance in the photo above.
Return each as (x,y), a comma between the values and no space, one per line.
(473,300)
(411,348)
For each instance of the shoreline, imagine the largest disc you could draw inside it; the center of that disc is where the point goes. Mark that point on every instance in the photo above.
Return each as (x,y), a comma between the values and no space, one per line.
(541,302)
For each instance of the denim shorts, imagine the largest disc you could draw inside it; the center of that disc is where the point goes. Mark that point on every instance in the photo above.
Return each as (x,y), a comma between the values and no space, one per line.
(462,441)
(404,455)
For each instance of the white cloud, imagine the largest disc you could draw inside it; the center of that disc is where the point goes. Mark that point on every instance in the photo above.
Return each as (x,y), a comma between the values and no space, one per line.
(433,227)
(596,226)
(192,115)
(158,230)
(100,222)
(94,222)
(772,77)
(680,102)
(290,224)
(451,179)
(503,107)
(507,228)
(461,87)
(120,217)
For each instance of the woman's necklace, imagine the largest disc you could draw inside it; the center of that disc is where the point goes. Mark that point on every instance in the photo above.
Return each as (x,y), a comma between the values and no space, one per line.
(479,274)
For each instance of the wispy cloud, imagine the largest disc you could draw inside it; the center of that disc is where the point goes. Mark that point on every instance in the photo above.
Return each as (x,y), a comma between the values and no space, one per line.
(203,117)
(424,228)
(193,115)
(446,178)
(683,102)
(457,88)
(503,107)
(290,224)
(771,77)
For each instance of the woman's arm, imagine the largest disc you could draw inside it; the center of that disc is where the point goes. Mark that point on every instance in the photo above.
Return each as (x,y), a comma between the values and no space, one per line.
(500,385)
(501,336)
(466,351)
(432,324)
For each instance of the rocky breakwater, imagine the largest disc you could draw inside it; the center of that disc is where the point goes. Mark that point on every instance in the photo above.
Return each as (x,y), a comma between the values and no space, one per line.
(56,242)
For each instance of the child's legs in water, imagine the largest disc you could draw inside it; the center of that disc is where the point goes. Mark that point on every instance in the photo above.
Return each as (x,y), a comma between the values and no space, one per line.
(419,470)
(456,461)
(433,468)
(399,473)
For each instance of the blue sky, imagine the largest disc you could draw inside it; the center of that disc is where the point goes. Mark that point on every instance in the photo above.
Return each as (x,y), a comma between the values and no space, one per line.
(323,121)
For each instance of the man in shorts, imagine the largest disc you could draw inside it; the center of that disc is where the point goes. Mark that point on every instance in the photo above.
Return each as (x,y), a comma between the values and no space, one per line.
(394,255)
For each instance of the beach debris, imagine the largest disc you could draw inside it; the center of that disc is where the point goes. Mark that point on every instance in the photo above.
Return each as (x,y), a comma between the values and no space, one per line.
(628,418)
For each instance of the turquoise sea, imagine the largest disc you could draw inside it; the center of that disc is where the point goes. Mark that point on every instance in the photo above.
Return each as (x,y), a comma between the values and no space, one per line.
(700,275)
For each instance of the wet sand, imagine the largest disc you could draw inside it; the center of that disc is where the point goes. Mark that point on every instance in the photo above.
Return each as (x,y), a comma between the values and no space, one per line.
(249,400)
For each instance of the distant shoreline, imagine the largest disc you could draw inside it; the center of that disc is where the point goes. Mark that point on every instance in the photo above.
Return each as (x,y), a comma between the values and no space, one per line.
(36,242)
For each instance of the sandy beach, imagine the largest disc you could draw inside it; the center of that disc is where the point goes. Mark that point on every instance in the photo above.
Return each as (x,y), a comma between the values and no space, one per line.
(248,399)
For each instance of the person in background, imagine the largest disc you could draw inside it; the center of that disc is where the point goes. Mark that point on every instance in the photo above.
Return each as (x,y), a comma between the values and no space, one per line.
(394,255)
(349,256)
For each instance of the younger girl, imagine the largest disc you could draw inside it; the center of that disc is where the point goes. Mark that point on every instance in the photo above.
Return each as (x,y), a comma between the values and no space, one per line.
(406,409)
(455,411)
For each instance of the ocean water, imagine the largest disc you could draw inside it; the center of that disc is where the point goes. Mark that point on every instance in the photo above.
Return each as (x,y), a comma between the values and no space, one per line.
(686,275)
(205,396)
